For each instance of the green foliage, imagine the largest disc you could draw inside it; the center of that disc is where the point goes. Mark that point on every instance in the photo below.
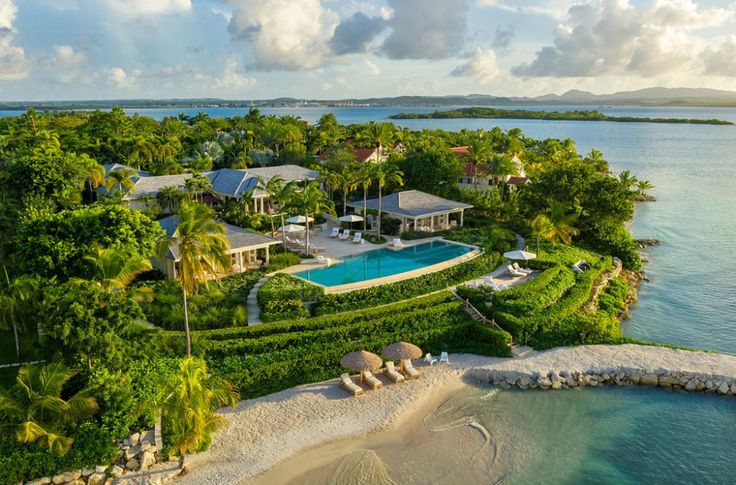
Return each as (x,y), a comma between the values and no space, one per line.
(87,326)
(612,300)
(491,237)
(433,169)
(283,260)
(401,290)
(216,305)
(92,446)
(275,310)
(283,286)
(56,244)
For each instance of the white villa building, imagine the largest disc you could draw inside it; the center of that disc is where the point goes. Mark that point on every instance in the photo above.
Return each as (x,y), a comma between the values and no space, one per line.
(227,183)
(418,211)
(245,248)
(481,180)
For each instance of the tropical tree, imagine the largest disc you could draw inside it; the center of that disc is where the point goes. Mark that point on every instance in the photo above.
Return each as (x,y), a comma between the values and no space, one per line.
(312,200)
(364,177)
(376,135)
(541,228)
(15,298)
(348,183)
(479,151)
(189,404)
(121,180)
(562,229)
(499,166)
(115,269)
(386,173)
(197,185)
(642,186)
(202,247)
(273,188)
(36,411)
(169,198)
(628,180)
(95,173)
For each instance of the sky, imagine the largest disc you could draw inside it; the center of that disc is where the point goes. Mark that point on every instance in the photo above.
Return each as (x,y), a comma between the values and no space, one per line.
(333,49)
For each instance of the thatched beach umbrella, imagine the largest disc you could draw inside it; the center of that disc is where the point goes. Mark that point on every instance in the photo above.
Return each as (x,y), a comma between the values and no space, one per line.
(401,351)
(361,361)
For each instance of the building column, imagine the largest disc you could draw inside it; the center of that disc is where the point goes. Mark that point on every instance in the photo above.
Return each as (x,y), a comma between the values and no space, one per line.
(462,213)
(267,255)
(431,223)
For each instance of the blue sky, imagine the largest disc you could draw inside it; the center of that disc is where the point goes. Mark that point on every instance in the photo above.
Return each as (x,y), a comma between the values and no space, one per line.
(245,49)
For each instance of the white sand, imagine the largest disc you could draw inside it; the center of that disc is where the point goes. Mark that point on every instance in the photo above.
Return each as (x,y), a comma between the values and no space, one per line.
(264,431)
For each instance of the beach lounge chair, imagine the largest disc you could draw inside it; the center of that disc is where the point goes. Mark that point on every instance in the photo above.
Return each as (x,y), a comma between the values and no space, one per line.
(513,272)
(396,243)
(444,358)
(429,359)
(409,369)
(358,237)
(371,380)
(335,232)
(347,383)
(344,234)
(522,270)
(323,260)
(392,373)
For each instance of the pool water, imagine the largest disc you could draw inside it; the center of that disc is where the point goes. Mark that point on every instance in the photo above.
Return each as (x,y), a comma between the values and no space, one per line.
(384,262)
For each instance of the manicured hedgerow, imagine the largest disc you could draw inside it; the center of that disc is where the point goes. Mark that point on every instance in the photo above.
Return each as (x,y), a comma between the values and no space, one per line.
(401,290)
(283,286)
(275,310)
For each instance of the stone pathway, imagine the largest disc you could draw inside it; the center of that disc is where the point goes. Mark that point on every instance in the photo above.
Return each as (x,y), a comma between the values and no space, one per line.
(254,311)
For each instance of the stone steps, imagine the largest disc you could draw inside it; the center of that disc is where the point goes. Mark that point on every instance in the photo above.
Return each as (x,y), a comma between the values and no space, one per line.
(254,311)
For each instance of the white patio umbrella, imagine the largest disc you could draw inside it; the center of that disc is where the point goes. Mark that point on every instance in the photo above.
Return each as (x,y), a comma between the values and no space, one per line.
(350,218)
(519,255)
(299,220)
(291,228)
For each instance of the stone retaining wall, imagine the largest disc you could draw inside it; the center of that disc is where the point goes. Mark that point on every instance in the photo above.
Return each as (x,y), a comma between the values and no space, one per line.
(561,379)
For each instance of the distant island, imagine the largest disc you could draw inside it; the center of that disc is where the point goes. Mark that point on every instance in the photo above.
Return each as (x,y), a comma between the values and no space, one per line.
(524,114)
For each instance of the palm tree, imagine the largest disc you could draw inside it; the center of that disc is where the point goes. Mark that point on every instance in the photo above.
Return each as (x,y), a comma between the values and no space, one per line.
(312,200)
(562,229)
(499,166)
(169,198)
(376,135)
(272,187)
(36,411)
(14,299)
(95,173)
(121,180)
(642,186)
(348,183)
(189,404)
(115,269)
(364,179)
(386,173)
(202,247)
(541,228)
(197,185)
(627,179)
(479,151)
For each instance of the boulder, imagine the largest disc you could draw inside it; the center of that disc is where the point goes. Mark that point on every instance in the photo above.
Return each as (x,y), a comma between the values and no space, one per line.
(634,378)
(544,383)
(87,472)
(117,471)
(40,481)
(145,446)
(96,479)
(649,380)
(147,460)
(78,481)
(524,382)
(135,438)
(132,452)
(724,388)
(692,385)
(67,477)
(132,464)
(556,384)
(148,437)
(668,380)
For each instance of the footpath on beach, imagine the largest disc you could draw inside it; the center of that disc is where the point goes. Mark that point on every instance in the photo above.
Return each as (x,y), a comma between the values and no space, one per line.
(265,431)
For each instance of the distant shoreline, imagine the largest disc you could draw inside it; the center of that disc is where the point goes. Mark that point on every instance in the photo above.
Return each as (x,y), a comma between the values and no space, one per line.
(495,113)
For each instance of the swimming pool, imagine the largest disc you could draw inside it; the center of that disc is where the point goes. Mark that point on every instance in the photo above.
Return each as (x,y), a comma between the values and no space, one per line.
(384,262)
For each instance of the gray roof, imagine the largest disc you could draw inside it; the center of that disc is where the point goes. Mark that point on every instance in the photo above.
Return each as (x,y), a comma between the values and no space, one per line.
(228,182)
(240,239)
(413,203)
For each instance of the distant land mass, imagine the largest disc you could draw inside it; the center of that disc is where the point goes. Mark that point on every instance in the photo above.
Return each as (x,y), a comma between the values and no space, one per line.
(656,96)
(522,114)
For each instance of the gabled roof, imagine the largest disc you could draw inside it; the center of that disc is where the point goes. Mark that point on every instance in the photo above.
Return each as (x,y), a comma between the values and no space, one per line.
(240,239)
(460,150)
(518,180)
(412,203)
(364,154)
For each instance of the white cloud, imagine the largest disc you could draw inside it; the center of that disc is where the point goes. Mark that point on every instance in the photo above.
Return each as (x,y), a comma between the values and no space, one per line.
(150,7)
(372,67)
(233,78)
(614,37)
(720,60)
(285,34)
(119,78)
(481,67)
(13,64)
(65,57)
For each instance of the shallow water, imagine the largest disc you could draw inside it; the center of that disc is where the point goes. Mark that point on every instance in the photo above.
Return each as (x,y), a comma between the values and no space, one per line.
(482,435)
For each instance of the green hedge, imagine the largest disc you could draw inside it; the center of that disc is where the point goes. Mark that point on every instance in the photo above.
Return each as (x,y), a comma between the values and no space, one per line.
(283,260)
(402,290)
(613,299)
(283,286)
(537,294)
(276,310)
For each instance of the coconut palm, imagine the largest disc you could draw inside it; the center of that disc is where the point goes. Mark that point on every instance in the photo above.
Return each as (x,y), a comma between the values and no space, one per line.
(15,297)
(376,135)
(499,166)
(312,201)
(121,180)
(541,228)
(479,151)
(642,186)
(364,177)
(562,229)
(189,404)
(627,179)
(386,173)
(115,269)
(273,188)
(35,410)
(95,173)
(197,185)
(169,198)
(348,183)
(202,247)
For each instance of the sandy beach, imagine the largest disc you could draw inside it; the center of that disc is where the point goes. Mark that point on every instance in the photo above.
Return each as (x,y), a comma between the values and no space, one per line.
(265,431)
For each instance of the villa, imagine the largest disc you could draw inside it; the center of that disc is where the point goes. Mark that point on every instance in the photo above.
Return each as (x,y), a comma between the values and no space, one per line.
(245,248)
(476,176)
(418,211)
(227,183)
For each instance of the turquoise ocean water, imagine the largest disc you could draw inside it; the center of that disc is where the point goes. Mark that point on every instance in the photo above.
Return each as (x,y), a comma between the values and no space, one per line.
(634,435)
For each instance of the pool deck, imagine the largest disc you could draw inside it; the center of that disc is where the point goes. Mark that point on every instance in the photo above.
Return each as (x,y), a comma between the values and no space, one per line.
(336,249)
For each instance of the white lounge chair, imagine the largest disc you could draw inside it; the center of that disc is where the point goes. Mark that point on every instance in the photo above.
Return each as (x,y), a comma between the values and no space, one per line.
(392,373)
(522,270)
(344,234)
(444,358)
(429,359)
(409,370)
(396,243)
(489,281)
(335,232)
(324,260)
(358,237)
(371,380)
(347,383)
(513,272)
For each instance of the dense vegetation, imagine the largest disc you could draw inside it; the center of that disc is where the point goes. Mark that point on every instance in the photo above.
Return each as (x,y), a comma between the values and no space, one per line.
(523,114)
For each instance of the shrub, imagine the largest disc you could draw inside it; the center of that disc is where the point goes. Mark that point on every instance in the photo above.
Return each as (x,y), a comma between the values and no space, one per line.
(275,310)
(282,286)
(283,260)
(410,288)
(490,237)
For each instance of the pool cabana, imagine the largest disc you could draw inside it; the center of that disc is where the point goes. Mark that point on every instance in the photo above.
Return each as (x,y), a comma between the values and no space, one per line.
(418,211)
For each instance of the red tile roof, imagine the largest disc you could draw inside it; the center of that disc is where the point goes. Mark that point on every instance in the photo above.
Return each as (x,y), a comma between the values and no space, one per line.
(479,170)
(459,150)
(364,154)
(518,180)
